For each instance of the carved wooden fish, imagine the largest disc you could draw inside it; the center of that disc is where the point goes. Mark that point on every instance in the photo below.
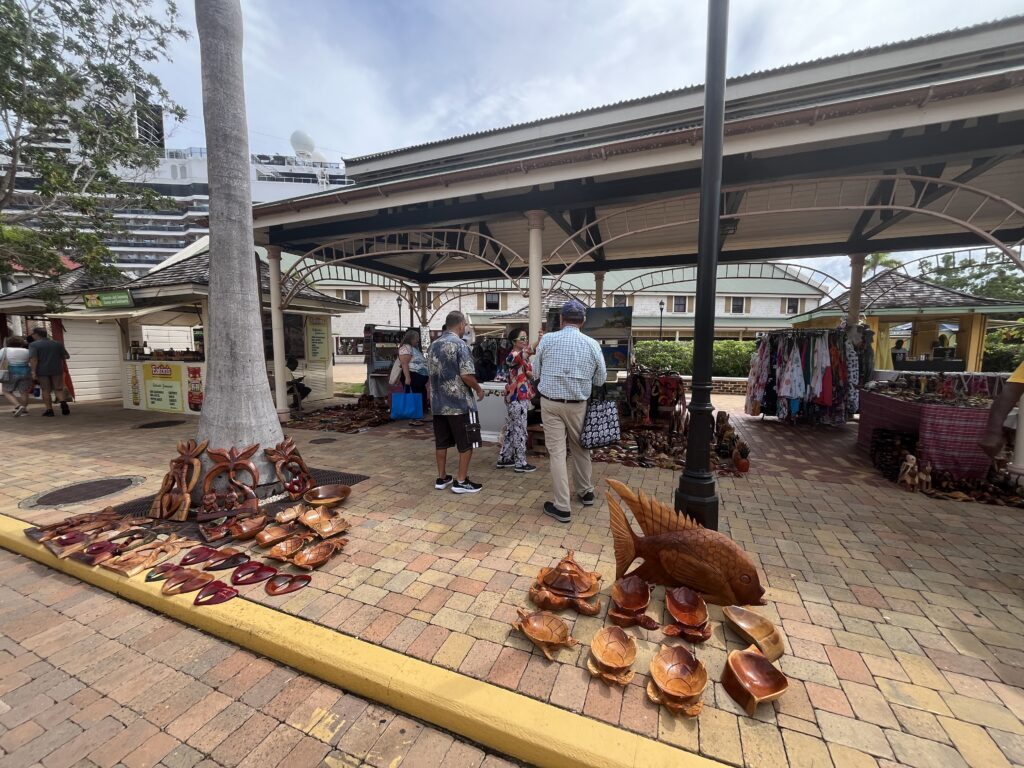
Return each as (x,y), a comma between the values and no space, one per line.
(677,551)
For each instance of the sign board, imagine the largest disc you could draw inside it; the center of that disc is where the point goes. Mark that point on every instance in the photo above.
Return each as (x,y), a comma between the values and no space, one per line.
(109,300)
(162,387)
(318,338)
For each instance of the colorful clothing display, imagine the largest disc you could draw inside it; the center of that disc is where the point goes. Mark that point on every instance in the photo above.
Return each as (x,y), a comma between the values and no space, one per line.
(807,376)
(650,395)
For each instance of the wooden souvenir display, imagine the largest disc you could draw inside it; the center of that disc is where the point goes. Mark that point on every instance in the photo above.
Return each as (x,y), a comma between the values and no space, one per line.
(678,680)
(327,496)
(545,630)
(53,530)
(677,551)
(174,497)
(924,477)
(290,514)
(290,468)
(756,629)
(247,528)
(908,473)
(630,598)
(566,585)
(751,679)
(145,557)
(318,554)
(273,534)
(283,550)
(239,498)
(612,653)
(690,613)
(324,522)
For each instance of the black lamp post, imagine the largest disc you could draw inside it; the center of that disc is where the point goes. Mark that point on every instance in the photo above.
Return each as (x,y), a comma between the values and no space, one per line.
(399,300)
(696,495)
(661,316)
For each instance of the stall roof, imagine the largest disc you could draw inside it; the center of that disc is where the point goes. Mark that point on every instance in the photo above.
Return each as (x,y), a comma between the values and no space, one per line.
(159,314)
(78,280)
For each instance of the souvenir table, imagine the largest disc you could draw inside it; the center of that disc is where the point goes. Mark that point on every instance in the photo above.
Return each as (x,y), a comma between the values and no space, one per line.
(948,435)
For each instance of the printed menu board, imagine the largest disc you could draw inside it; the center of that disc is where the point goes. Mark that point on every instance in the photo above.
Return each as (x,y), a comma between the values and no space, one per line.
(318,338)
(162,386)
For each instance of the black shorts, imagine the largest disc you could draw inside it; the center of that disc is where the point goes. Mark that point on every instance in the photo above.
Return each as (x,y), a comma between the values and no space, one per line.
(451,431)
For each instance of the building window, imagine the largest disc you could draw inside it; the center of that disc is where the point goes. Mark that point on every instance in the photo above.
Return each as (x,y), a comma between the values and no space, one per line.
(680,303)
(791,306)
(619,301)
(352,295)
(492,301)
(735,305)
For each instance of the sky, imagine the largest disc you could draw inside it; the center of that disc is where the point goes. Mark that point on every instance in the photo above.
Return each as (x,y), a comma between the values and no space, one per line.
(362,76)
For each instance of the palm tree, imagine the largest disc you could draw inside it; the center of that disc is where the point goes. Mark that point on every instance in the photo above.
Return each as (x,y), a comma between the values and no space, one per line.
(238,410)
(880,260)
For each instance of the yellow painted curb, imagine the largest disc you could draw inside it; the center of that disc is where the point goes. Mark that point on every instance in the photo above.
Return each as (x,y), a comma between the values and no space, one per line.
(503,720)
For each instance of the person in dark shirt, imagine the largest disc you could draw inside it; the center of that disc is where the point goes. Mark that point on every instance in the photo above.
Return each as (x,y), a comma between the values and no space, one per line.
(46,357)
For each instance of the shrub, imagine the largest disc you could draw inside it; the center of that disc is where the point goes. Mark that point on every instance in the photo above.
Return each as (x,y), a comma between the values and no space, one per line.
(1000,358)
(729,358)
(732,358)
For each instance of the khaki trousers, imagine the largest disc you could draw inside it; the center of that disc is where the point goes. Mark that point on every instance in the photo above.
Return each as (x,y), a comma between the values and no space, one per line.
(562,425)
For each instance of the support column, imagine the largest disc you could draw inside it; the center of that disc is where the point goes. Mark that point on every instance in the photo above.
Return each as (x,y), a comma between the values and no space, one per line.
(277,332)
(1016,467)
(536,273)
(599,289)
(970,343)
(856,278)
(697,494)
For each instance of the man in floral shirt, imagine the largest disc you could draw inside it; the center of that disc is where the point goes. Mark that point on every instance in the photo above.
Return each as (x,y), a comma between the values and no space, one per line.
(452,384)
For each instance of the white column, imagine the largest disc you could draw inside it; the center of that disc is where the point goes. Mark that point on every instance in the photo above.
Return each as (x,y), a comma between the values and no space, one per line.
(536,274)
(599,289)
(277,332)
(1016,467)
(856,277)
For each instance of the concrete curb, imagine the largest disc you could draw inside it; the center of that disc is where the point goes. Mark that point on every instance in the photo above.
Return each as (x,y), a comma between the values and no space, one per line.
(503,720)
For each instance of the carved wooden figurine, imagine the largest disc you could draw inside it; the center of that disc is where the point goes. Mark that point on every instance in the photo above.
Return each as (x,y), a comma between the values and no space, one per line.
(924,477)
(290,468)
(239,498)
(173,499)
(567,585)
(908,473)
(679,552)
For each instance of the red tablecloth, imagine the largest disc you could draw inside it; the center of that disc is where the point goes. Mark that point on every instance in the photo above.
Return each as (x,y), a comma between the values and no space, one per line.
(948,436)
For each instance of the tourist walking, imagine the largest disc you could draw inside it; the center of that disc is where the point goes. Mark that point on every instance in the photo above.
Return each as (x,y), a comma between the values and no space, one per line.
(46,358)
(568,365)
(18,381)
(518,393)
(414,366)
(452,384)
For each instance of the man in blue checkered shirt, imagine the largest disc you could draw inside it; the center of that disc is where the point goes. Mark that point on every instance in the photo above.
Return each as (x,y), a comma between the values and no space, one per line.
(568,365)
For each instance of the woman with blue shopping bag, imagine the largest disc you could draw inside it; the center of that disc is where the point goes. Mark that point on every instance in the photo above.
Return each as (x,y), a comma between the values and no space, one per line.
(411,370)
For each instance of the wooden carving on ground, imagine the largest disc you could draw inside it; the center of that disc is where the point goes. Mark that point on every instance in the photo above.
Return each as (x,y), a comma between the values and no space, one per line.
(290,468)
(567,585)
(677,551)
(173,500)
(239,497)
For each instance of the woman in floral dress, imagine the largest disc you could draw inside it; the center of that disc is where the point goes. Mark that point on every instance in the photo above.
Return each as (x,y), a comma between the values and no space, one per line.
(518,393)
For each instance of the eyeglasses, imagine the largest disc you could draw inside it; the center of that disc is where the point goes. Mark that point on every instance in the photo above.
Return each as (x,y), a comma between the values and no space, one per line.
(521,338)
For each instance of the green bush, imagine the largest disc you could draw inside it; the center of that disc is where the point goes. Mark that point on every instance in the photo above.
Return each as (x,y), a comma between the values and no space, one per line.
(1000,358)
(729,358)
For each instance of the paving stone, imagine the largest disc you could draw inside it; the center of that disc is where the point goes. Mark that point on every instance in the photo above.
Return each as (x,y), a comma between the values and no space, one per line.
(869,704)
(805,751)
(762,744)
(719,735)
(974,744)
(854,734)
(983,713)
(920,723)
(913,696)
(921,753)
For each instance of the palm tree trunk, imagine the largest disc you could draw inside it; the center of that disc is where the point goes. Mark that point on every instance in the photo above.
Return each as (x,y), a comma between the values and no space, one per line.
(237,409)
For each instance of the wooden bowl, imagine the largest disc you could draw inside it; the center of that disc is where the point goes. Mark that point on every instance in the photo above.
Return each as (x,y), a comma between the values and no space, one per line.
(323,521)
(613,648)
(283,550)
(756,629)
(327,495)
(679,674)
(687,607)
(318,554)
(632,594)
(751,679)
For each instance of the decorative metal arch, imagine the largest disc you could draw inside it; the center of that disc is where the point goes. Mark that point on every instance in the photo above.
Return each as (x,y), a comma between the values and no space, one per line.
(907,194)
(765,270)
(444,243)
(327,271)
(472,287)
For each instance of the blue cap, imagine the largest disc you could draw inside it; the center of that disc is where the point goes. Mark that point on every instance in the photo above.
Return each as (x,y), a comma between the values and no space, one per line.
(574,310)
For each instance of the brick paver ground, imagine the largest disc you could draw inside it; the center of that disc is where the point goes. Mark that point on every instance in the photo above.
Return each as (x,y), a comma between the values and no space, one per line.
(904,615)
(89,680)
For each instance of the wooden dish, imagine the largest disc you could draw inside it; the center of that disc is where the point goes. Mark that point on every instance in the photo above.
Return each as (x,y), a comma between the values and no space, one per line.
(318,554)
(545,630)
(613,652)
(327,495)
(751,679)
(690,613)
(630,597)
(324,521)
(283,550)
(291,513)
(756,629)
(679,679)
(248,527)
(273,534)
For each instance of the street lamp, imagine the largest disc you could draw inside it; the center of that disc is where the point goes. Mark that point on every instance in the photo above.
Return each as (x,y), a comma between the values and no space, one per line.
(399,300)
(697,495)
(661,316)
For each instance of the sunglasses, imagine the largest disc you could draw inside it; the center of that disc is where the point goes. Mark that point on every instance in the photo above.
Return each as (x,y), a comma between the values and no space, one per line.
(521,338)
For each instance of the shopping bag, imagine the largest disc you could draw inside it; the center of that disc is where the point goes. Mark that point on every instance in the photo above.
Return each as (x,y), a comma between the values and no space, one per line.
(601,423)
(406,405)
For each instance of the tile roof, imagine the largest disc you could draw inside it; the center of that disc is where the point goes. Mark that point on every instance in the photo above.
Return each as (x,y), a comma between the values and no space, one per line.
(895,290)
(549,301)
(73,281)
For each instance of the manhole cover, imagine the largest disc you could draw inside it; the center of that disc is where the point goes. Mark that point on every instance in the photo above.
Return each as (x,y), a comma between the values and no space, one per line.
(79,492)
(160,424)
(322,440)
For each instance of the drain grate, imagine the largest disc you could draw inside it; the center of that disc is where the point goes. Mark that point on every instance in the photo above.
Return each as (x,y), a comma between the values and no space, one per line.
(79,492)
(322,440)
(160,424)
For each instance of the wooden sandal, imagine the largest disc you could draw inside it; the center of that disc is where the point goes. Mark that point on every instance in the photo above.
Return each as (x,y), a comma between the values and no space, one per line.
(284,583)
(215,592)
(226,560)
(185,580)
(252,572)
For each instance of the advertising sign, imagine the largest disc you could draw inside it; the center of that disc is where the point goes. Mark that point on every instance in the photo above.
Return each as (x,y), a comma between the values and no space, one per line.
(162,386)
(318,338)
(108,300)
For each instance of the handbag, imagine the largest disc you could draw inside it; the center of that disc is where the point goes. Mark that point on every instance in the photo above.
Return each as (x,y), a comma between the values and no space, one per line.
(601,422)
(473,430)
(4,372)
(396,372)
(406,405)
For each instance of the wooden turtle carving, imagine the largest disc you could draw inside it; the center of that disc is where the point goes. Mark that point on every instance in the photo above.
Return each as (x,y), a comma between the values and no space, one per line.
(630,597)
(290,468)
(240,498)
(613,652)
(545,630)
(174,497)
(567,585)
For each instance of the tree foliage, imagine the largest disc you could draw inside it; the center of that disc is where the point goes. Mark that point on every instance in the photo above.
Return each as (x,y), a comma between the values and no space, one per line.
(993,277)
(729,357)
(879,260)
(75,89)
